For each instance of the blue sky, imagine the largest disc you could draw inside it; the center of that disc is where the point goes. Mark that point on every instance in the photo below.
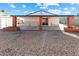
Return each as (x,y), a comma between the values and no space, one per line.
(26,8)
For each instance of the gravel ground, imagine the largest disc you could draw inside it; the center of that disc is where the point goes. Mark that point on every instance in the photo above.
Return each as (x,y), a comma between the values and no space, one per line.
(38,43)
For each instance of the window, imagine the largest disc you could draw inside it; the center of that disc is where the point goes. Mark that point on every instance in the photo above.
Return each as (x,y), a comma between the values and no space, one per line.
(44,21)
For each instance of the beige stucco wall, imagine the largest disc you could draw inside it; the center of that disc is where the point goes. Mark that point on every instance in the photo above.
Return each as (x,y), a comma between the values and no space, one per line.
(29,21)
(34,21)
(52,21)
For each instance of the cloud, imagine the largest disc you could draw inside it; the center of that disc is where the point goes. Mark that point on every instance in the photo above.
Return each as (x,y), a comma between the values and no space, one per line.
(74,3)
(15,10)
(24,6)
(45,5)
(32,11)
(42,5)
(53,4)
(65,8)
(55,11)
(73,8)
(12,5)
(67,12)
(26,11)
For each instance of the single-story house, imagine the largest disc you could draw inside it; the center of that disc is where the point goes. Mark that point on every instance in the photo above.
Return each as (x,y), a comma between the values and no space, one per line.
(38,20)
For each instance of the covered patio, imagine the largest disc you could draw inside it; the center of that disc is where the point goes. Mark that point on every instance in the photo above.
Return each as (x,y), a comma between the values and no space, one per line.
(38,20)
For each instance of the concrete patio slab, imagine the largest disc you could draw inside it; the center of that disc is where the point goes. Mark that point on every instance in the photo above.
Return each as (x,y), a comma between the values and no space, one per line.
(38,43)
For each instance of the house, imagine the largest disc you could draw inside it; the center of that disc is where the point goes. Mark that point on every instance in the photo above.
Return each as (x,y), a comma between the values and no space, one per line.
(38,20)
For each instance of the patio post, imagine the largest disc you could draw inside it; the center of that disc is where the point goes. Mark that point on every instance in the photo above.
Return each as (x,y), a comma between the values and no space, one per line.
(14,21)
(40,23)
(69,21)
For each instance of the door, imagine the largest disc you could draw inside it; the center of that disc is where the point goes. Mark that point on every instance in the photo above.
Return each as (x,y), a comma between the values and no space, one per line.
(45,23)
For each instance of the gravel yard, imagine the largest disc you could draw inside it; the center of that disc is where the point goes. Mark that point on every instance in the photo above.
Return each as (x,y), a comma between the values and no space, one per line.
(38,43)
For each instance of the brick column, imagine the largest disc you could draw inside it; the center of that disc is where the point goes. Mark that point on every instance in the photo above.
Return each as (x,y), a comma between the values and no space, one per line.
(69,21)
(14,21)
(40,23)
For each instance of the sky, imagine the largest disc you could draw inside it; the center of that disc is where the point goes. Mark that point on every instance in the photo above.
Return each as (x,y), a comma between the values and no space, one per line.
(26,8)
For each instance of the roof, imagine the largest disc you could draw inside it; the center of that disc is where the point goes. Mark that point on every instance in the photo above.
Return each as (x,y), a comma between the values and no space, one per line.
(42,13)
(39,13)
